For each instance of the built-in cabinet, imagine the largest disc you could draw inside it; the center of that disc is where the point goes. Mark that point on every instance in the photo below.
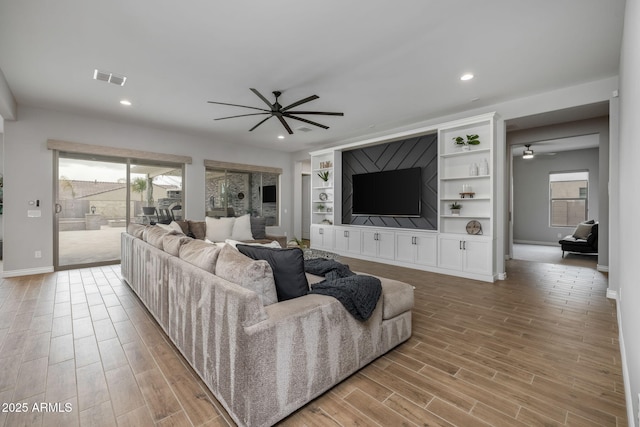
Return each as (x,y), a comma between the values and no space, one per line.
(417,248)
(378,243)
(471,254)
(465,177)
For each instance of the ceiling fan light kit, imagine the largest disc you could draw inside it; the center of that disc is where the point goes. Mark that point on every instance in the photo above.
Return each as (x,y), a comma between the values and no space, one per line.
(528,152)
(280,112)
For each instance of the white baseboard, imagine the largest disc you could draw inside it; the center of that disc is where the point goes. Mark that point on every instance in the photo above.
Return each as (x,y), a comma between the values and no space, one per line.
(611,294)
(603,268)
(502,276)
(27,272)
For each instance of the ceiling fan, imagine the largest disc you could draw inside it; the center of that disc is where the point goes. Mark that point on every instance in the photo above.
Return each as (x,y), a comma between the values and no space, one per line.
(279,111)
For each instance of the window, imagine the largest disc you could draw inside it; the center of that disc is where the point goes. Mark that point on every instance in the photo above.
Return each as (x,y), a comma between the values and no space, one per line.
(236,190)
(569,195)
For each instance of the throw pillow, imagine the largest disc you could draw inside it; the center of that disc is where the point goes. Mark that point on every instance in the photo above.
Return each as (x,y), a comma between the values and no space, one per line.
(582,231)
(200,254)
(184,225)
(153,235)
(242,228)
(171,242)
(287,266)
(258,227)
(219,229)
(197,229)
(255,275)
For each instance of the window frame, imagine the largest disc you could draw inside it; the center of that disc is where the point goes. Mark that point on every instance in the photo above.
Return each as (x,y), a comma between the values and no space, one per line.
(569,176)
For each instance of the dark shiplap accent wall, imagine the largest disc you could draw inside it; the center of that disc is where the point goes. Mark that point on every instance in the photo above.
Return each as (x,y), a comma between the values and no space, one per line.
(419,152)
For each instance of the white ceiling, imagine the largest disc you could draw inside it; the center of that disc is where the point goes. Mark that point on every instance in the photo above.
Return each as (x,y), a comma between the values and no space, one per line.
(384,64)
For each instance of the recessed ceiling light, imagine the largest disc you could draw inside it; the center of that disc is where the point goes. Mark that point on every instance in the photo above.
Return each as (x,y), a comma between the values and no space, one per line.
(125,102)
(280,136)
(466,77)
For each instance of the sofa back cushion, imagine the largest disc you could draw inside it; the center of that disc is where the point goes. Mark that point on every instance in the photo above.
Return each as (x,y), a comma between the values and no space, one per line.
(255,275)
(287,266)
(197,229)
(171,243)
(200,254)
(153,235)
(136,230)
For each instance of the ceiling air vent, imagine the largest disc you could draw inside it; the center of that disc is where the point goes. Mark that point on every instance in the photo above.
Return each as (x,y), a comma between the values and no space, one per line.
(109,77)
(304,129)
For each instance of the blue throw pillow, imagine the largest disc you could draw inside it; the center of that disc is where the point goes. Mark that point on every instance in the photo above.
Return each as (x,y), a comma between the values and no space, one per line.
(287,266)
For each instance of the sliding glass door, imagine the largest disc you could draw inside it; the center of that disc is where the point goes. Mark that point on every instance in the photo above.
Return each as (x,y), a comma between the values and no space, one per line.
(90,210)
(96,197)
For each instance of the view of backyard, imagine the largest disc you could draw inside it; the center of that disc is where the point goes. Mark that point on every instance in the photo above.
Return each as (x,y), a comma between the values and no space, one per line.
(92,205)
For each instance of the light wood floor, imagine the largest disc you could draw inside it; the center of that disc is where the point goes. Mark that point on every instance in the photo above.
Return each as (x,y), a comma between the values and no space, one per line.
(540,348)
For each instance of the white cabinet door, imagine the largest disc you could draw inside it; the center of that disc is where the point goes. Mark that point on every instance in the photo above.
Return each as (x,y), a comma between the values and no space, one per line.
(417,248)
(347,239)
(450,252)
(426,249)
(386,244)
(379,244)
(322,237)
(477,256)
(405,247)
(369,243)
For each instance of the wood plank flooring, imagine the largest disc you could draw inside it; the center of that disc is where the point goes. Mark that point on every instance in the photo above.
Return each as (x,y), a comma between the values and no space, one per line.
(540,348)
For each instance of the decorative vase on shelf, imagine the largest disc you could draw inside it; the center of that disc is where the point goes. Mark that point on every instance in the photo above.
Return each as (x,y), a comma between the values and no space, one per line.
(473,169)
(484,167)
(455,212)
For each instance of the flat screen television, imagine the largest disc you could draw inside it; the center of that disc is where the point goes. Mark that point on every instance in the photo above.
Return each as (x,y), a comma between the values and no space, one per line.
(269,194)
(387,193)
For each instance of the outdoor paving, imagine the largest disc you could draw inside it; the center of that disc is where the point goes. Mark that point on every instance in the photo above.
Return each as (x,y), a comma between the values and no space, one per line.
(89,246)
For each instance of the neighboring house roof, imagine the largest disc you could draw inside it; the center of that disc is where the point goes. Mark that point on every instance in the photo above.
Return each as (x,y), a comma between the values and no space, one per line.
(82,189)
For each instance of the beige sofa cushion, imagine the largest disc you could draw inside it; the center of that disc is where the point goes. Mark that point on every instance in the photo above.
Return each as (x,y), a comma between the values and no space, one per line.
(136,230)
(200,254)
(397,297)
(172,243)
(255,275)
(153,235)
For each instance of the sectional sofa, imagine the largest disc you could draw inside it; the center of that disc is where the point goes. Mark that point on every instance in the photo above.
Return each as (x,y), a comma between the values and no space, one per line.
(261,359)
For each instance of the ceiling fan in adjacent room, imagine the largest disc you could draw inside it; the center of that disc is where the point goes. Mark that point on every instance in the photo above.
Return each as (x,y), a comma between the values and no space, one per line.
(279,111)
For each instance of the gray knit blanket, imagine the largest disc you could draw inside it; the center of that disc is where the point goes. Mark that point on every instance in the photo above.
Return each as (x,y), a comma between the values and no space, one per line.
(358,293)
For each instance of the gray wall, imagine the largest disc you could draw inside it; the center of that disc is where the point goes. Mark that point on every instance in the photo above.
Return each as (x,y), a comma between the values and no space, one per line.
(625,216)
(531,193)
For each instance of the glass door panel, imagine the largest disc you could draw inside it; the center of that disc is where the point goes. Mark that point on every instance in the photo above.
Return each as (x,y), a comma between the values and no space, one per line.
(156,193)
(90,210)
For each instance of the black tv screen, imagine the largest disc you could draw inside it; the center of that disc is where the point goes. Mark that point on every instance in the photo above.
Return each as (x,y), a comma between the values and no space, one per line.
(269,194)
(387,193)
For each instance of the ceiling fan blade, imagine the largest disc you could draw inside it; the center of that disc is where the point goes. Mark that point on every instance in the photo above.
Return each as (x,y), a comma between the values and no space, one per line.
(242,115)
(284,123)
(261,122)
(302,101)
(324,113)
(266,101)
(307,121)
(237,105)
